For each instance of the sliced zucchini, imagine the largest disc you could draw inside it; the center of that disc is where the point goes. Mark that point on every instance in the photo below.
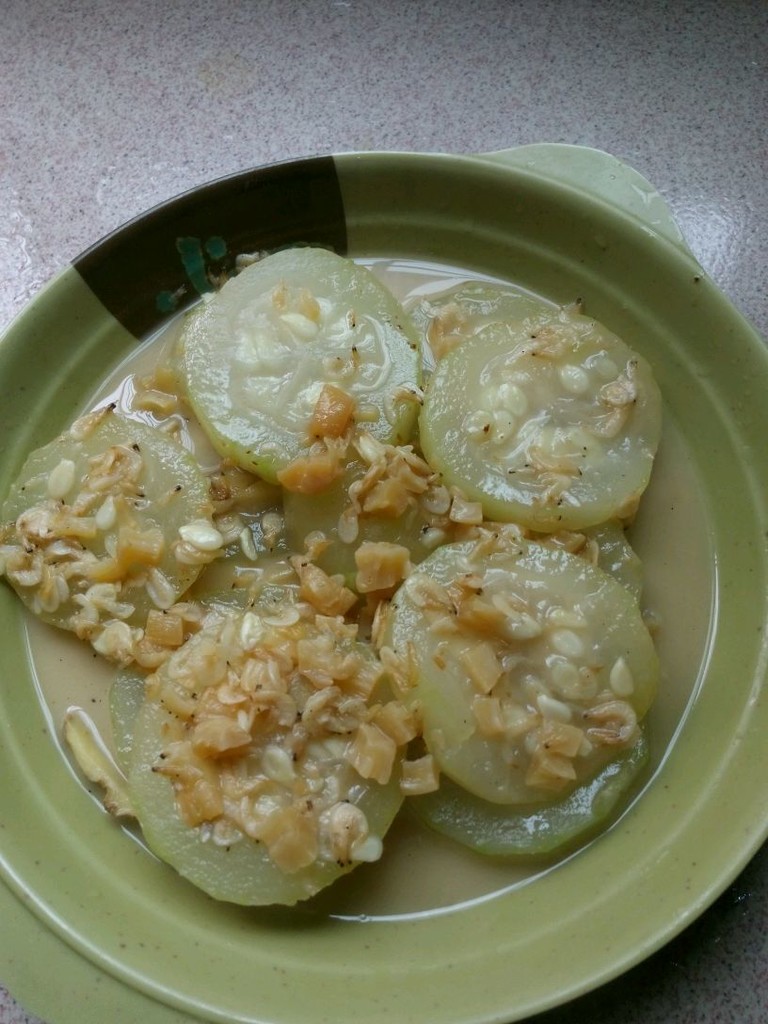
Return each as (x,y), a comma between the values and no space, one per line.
(126,698)
(449,318)
(257,771)
(617,556)
(387,494)
(306,515)
(532,831)
(606,546)
(108,521)
(552,423)
(531,667)
(258,355)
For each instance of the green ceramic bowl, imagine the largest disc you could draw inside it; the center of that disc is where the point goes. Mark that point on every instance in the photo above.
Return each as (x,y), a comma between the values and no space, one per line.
(96,929)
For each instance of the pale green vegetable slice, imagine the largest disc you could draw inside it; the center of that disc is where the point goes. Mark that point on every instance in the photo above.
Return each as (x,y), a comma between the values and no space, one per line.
(617,556)
(257,355)
(305,515)
(109,520)
(552,423)
(387,494)
(450,317)
(126,697)
(533,831)
(531,667)
(606,546)
(255,773)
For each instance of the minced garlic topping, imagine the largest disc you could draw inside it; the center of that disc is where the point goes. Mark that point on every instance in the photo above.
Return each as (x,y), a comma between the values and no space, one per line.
(111,521)
(278,715)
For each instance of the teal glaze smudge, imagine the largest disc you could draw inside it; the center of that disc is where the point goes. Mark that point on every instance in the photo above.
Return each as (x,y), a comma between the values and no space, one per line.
(193,261)
(216,247)
(192,254)
(166,302)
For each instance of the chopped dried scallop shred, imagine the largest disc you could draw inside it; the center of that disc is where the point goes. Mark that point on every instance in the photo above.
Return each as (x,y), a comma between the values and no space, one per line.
(275,717)
(87,552)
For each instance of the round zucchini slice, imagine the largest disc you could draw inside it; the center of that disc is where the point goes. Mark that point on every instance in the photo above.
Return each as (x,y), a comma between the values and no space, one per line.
(294,348)
(106,522)
(616,555)
(126,698)
(537,830)
(552,423)
(258,771)
(606,546)
(449,318)
(531,667)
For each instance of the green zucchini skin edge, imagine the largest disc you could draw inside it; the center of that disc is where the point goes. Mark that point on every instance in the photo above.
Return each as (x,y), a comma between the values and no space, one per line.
(535,831)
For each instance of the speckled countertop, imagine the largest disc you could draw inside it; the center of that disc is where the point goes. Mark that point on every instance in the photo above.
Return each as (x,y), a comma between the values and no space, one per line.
(107,108)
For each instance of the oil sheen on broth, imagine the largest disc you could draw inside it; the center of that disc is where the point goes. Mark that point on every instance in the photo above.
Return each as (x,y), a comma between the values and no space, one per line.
(421,871)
